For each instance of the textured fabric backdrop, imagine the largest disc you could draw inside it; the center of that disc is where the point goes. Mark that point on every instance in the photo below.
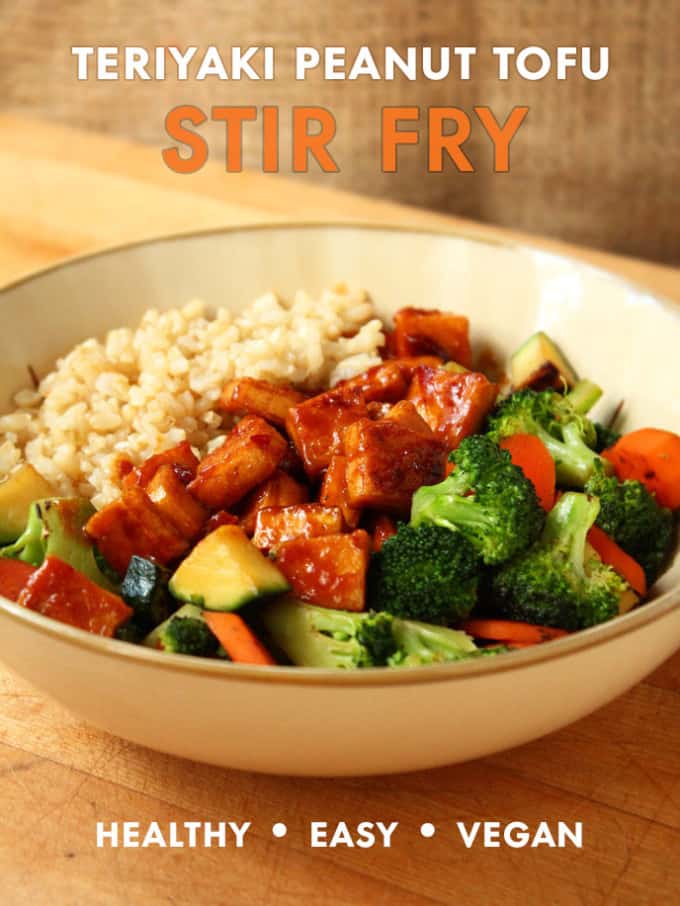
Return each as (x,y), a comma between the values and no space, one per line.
(597,163)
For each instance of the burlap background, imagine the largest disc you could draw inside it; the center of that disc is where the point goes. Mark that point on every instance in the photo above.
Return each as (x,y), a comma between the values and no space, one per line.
(597,163)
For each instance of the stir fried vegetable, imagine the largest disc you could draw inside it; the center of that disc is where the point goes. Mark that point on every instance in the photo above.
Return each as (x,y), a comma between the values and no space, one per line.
(290,541)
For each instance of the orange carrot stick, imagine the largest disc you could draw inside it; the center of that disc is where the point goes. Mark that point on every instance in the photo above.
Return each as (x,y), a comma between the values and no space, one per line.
(234,635)
(511,631)
(651,456)
(531,455)
(610,553)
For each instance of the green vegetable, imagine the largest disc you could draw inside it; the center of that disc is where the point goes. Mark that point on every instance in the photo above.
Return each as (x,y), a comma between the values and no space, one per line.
(560,581)
(225,571)
(313,636)
(424,572)
(145,589)
(583,396)
(568,436)
(17,493)
(185,632)
(486,498)
(539,359)
(631,516)
(55,528)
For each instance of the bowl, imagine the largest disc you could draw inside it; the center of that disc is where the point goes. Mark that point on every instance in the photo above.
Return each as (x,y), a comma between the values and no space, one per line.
(288,720)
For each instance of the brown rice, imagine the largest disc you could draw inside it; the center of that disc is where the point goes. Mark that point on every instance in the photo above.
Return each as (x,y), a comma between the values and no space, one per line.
(140,391)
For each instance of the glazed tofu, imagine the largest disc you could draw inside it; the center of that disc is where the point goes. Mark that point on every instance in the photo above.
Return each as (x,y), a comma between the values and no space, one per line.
(419,331)
(405,413)
(334,491)
(329,571)
(247,396)
(182,457)
(317,425)
(382,383)
(249,455)
(387,463)
(281,490)
(276,525)
(133,525)
(453,405)
(175,503)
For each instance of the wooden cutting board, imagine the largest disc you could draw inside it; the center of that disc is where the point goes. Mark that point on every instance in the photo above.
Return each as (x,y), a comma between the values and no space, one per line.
(618,771)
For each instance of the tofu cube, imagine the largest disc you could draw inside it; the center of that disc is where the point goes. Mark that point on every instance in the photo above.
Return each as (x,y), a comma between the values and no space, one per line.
(420,331)
(317,425)
(247,396)
(405,413)
(382,383)
(387,463)
(334,491)
(277,524)
(173,501)
(453,405)
(278,491)
(133,525)
(249,455)
(182,457)
(329,571)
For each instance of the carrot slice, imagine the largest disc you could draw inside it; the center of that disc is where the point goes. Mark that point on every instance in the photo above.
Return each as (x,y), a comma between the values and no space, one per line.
(610,553)
(531,455)
(651,456)
(14,574)
(237,639)
(512,631)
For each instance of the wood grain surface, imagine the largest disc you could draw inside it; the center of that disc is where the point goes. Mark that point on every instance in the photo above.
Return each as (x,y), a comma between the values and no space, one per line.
(617,771)
(610,145)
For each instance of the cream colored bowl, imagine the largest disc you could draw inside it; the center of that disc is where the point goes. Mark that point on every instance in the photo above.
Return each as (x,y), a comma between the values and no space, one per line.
(317,722)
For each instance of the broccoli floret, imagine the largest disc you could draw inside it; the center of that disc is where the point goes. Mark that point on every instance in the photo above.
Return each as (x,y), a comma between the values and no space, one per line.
(421,643)
(569,436)
(424,572)
(561,581)
(486,498)
(187,635)
(632,517)
(313,636)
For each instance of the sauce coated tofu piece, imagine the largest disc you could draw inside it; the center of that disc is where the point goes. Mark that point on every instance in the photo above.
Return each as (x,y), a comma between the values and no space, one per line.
(389,382)
(182,457)
(278,524)
(278,491)
(405,413)
(453,405)
(419,331)
(172,500)
(317,425)
(249,455)
(329,571)
(133,525)
(58,591)
(383,383)
(334,491)
(247,396)
(387,463)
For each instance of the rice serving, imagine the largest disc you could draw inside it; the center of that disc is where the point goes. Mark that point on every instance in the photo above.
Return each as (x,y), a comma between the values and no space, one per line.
(140,391)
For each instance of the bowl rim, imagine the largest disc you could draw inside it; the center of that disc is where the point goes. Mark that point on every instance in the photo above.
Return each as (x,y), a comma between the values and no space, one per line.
(374,676)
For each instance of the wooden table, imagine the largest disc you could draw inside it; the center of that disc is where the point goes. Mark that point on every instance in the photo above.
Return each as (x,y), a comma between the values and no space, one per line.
(617,771)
